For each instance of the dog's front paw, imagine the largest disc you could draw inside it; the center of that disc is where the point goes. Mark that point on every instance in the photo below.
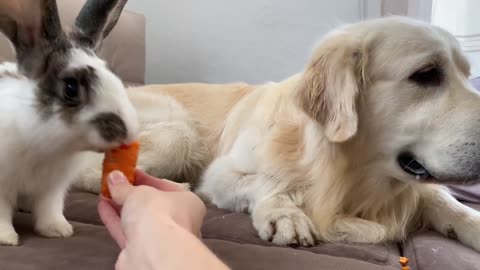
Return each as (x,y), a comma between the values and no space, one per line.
(8,236)
(286,227)
(56,228)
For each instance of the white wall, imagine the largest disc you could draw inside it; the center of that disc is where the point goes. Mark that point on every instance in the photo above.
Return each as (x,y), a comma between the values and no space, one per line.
(460,17)
(220,41)
(255,41)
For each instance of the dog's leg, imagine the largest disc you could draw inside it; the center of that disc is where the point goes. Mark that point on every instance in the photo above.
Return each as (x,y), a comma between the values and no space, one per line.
(356,230)
(230,182)
(280,220)
(450,217)
(228,186)
(234,182)
(277,218)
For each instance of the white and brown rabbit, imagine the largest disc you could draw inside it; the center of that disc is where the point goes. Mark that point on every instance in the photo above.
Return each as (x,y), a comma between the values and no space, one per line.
(58,102)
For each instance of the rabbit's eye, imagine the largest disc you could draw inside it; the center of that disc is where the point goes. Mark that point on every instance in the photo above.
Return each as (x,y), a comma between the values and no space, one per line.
(71,91)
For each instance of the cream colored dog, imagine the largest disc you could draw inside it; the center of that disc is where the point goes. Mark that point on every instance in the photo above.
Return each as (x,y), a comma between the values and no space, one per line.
(355,148)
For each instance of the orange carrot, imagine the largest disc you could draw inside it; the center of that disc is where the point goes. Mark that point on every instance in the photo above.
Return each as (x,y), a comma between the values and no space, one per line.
(122,159)
(403,261)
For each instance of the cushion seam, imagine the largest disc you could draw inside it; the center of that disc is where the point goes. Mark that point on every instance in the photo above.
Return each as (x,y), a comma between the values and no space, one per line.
(386,263)
(239,242)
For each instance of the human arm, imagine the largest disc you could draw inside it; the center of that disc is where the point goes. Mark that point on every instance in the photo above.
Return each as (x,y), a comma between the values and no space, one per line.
(159,225)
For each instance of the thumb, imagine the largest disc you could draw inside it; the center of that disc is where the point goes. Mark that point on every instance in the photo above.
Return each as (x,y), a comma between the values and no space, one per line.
(119,187)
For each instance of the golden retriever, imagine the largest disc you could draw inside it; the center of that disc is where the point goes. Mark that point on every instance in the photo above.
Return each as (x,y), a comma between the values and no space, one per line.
(355,148)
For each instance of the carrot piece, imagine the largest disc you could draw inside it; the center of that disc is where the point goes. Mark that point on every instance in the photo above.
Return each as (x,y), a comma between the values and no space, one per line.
(124,159)
(405,267)
(403,261)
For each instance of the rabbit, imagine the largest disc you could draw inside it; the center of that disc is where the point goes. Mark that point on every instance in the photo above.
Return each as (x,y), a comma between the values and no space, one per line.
(59,103)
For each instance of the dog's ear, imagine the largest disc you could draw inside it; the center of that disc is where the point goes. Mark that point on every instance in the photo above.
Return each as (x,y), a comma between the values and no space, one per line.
(330,86)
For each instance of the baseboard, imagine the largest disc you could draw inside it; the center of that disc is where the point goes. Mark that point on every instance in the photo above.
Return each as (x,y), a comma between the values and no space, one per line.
(469,43)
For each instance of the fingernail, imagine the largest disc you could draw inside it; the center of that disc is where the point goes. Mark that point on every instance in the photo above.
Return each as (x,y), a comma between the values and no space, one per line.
(116,177)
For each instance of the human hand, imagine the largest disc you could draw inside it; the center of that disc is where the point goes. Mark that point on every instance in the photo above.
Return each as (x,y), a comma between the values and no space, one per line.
(152,198)
(158,217)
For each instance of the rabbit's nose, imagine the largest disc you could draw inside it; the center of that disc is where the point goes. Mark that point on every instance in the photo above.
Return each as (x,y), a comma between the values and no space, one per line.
(111,127)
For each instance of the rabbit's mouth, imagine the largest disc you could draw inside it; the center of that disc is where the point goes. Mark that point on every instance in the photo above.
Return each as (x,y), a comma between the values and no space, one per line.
(98,144)
(100,150)
(107,147)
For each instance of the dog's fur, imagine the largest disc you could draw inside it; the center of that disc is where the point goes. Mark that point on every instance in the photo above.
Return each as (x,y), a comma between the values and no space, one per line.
(314,157)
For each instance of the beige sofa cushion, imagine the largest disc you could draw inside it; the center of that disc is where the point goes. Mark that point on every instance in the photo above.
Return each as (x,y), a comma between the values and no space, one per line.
(124,48)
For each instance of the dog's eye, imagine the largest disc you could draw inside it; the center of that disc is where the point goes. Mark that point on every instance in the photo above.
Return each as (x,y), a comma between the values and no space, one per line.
(71,91)
(428,76)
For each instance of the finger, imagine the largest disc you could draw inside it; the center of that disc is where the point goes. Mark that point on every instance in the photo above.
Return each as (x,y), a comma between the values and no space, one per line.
(142,178)
(121,263)
(117,208)
(119,187)
(112,222)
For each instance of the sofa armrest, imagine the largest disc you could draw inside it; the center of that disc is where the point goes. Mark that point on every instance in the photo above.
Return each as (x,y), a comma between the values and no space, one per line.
(124,49)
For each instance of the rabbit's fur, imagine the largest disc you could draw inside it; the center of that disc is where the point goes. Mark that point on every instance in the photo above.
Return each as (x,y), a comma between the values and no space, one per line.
(58,102)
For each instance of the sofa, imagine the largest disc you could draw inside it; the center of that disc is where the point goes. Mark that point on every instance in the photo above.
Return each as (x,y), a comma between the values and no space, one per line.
(229,235)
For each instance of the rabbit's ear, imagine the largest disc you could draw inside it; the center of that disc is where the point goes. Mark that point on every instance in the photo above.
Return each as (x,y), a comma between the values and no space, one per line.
(35,37)
(24,35)
(96,20)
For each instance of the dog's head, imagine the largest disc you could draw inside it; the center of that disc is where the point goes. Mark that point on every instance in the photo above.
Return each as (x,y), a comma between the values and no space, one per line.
(397,90)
